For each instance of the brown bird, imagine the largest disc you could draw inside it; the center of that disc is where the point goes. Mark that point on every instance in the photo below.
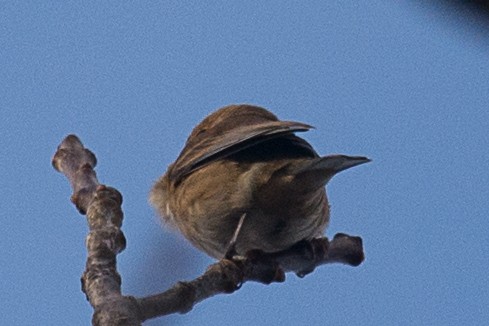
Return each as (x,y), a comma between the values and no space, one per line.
(241,165)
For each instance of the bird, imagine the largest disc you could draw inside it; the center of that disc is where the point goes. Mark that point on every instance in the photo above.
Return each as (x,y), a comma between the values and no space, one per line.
(245,180)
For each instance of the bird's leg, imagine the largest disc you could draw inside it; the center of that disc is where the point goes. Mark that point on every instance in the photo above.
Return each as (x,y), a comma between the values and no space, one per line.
(231,251)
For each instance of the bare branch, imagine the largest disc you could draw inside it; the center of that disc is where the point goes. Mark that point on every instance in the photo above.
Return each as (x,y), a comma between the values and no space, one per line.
(101,282)
(226,276)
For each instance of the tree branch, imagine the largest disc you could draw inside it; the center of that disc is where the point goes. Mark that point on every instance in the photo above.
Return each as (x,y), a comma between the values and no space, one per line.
(101,282)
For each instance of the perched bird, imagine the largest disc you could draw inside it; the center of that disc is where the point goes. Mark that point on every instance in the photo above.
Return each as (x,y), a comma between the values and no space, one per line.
(242,163)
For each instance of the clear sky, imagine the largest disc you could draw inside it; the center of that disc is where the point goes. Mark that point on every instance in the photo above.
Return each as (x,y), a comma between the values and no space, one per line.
(406,85)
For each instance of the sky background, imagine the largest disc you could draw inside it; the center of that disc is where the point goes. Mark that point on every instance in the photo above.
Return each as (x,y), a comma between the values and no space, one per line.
(403,83)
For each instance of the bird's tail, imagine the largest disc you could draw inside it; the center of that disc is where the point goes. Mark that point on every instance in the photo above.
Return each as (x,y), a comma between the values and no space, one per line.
(315,173)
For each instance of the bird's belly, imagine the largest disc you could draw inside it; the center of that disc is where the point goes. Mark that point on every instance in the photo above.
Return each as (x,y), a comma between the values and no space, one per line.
(275,231)
(208,215)
(210,227)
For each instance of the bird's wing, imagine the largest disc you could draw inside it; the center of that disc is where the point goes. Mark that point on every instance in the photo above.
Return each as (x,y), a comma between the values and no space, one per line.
(224,139)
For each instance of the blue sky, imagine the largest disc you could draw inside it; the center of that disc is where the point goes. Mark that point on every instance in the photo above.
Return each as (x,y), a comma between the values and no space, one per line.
(404,84)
